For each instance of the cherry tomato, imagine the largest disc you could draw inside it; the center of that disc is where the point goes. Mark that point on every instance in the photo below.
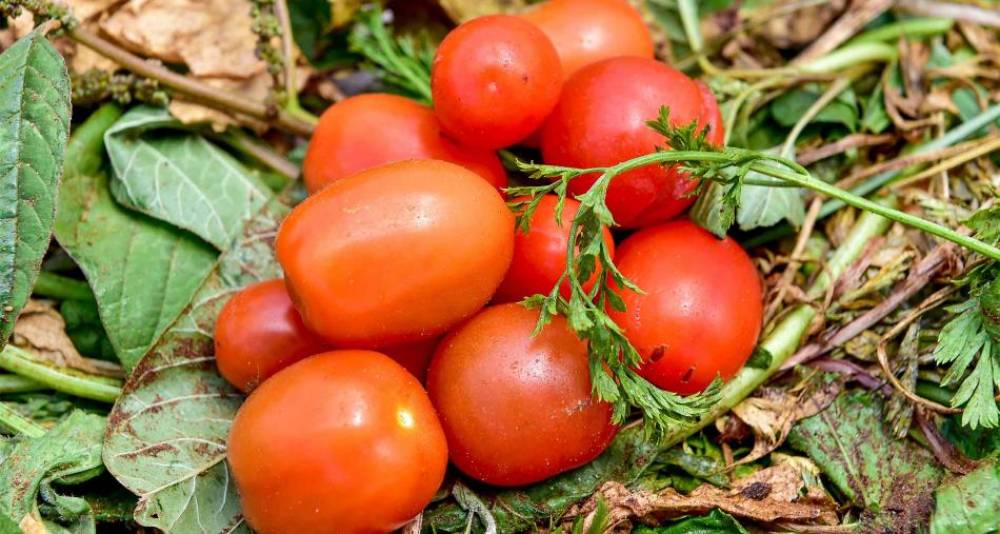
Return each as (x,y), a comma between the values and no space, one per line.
(415,357)
(342,442)
(517,408)
(369,130)
(540,253)
(700,313)
(494,80)
(259,333)
(588,31)
(601,121)
(396,254)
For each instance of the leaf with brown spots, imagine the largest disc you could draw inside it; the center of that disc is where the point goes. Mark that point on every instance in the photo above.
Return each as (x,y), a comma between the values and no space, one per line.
(891,480)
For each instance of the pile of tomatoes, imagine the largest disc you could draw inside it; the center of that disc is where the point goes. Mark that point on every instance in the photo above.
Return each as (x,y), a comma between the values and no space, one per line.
(404,268)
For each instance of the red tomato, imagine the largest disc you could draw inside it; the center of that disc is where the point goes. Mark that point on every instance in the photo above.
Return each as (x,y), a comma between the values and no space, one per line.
(415,357)
(395,254)
(588,31)
(540,254)
(342,442)
(369,130)
(494,81)
(701,310)
(259,333)
(601,121)
(516,408)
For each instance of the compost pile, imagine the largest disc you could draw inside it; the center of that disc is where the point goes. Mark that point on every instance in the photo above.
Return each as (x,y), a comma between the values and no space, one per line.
(575,266)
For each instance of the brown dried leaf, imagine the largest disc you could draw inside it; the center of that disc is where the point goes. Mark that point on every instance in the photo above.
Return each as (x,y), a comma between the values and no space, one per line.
(85,10)
(796,28)
(463,10)
(212,38)
(42,331)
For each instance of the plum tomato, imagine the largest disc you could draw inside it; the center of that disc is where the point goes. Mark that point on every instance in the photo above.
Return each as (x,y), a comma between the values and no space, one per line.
(341,442)
(540,253)
(396,254)
(494,80)
(517,408)
(601,120)
(369,130)
(415,357)
(701,310)
(259,333)
(588,31)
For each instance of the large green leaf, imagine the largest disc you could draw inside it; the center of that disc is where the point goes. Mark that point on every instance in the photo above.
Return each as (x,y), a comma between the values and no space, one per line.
(166,437)
(715,522)
(34,125)
(181,178)
(969,504)
(891,480)
(143,272)
(69,453)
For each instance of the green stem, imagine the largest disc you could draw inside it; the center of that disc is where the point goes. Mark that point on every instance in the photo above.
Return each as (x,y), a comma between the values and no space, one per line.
(20,362)
(19,424)
(850,55)
(910,28)
(62,287)
(18,384)
(785,337)
(934,392)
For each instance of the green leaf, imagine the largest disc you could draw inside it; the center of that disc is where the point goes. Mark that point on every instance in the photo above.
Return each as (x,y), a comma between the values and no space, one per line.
(976,444)
(166,439)
(711,212)
(180,178)
(143,272)
(762,206)
(788,108)
(69,453)
(969,504)
(965,340)
(875,119)
(891,480)
(986,224)
(34,125)
(715,522)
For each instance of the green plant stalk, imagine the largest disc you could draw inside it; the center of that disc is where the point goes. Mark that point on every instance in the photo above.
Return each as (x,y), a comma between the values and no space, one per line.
(18,384)
(20,362)
(55,286)
(934,392)
(851,54)
(785,337)
(19,424)
(910,28)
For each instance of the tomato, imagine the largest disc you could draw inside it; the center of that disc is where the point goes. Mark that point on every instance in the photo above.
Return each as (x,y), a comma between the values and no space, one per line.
(415,357)
(540,253)
(259,333)
(515,408)
(588,31)
(700,313)
(396,254)
(601,121)
(494,80)
(342,442)
(369,130)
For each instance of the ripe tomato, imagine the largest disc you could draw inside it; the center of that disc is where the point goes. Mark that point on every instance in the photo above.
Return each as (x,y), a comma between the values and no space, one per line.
(259,333)
(344,441)
(601,121)
(701,310)
(588,31)
(395,254)
(540,254)
(402,129)
(415,357)
(494,80)
(517,409)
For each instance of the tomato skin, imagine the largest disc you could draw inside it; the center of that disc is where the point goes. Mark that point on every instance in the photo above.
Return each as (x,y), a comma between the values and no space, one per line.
(342,442)
(259,333)
(702,308)
(601,121)
(494,80)
(369,130)
(588,31)
(517,409)
(415,357)
(395,254)
(540,254)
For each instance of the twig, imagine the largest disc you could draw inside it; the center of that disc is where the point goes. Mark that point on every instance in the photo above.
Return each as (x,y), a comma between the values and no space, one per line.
(952,10)
(903,162)
(852,370)
(812,155)
(943,450)
(859,13)
(788,276)
(980,148)
(261,152)
(287,53)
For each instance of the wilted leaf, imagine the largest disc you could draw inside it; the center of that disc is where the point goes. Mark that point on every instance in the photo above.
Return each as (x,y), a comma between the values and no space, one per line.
(34,113)
(143,272)
(970,503)
(69,453)
(42,331)
(180,177)
(891,480)
(166,437)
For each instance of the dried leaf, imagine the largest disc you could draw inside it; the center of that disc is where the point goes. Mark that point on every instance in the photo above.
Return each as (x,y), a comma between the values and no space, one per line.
(463,10)
(799,27)
(41,330)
